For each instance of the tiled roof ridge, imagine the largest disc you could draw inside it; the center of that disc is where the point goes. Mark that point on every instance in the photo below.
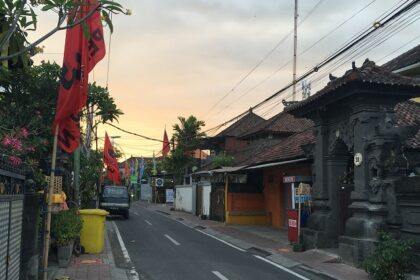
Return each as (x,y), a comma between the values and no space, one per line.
(403,60)
(237,125)
(369,72)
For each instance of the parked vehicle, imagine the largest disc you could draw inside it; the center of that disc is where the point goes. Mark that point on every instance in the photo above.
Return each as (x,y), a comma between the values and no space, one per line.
(115,200)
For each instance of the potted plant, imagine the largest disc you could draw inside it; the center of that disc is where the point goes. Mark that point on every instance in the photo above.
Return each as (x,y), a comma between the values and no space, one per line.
(65,228)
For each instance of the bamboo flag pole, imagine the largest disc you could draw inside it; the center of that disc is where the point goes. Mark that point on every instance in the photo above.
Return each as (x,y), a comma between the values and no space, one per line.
(47,235)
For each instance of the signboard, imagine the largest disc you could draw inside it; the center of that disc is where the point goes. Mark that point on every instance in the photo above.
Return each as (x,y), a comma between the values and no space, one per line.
(304,189)
(159,182)
(358,158)
(133,179)
(169,196)
(304,197)
(289,179)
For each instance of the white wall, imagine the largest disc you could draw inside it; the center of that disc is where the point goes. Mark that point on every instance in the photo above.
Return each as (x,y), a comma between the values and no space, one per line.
(146,192)
(183,198)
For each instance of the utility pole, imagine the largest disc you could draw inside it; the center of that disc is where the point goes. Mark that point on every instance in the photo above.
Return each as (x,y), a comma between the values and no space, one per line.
(295,50)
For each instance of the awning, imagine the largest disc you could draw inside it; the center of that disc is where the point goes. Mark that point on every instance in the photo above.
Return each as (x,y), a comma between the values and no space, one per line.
(276,163)
(228,169)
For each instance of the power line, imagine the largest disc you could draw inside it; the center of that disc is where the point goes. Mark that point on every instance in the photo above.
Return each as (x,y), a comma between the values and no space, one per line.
(383,22)
(267,55)
(301,53)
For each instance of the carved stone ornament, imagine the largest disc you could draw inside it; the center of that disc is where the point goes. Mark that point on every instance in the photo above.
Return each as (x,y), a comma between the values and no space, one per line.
(358,159)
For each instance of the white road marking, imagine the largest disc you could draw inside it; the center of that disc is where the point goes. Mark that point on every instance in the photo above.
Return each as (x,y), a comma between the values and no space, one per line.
(225,242)
(220,275)
(173,240)
(133,272)
(149,223)
(135,213)
(282,267)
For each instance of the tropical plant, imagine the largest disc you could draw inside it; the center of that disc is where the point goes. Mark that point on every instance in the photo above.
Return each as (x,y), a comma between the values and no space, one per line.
(18,18)
(187,134)
(223,160)
(66,226)
(90,172)
(187,137)
(28,98)
(391,260)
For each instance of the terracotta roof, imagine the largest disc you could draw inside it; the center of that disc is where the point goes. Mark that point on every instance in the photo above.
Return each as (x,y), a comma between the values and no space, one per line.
(406,59)
(282,123)
(369,73)
(246,156)
(289,148)
(243,125)
(408,114)
(275,150)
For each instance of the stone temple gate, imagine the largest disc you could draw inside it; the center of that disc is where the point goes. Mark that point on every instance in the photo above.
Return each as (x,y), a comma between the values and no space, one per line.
(364,171)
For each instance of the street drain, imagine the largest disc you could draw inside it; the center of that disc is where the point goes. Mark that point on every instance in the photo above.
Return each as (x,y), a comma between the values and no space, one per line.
(180,219)
(258,251)
(200,227)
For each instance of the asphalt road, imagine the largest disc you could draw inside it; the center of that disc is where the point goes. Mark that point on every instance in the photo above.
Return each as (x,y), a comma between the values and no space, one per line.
(162,248)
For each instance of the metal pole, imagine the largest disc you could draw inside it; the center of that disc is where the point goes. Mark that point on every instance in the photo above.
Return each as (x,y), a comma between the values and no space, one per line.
(295,50)
(76,161)
(47,236)
(298,241)
(226,194)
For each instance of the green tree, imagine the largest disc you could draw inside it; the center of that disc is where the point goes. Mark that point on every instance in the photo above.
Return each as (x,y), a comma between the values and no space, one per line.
(187,137)
(28,99)
(17,18)
(90,172)
(187,134)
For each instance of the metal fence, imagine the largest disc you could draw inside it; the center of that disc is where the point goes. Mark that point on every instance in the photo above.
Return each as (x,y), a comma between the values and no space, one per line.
(11,212)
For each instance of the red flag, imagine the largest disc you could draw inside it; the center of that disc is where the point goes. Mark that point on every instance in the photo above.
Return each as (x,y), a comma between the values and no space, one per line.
(80,57)
(111,162)
(166,146)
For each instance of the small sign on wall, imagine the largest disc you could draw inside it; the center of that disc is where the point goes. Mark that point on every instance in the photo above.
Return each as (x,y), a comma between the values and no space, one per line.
(358,158)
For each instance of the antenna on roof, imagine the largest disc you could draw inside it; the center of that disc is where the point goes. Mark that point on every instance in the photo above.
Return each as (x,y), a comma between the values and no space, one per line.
(306,89)
(295,49)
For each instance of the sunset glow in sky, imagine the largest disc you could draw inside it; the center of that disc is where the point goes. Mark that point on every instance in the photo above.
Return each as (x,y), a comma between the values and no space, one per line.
(175,58)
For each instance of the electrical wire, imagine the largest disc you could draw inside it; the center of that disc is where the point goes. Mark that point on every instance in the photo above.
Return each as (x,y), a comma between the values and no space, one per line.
(265,57)
(301,53)
(383,22)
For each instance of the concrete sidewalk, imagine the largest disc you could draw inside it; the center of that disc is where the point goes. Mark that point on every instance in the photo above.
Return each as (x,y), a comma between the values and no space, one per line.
(93,267)
(270,243)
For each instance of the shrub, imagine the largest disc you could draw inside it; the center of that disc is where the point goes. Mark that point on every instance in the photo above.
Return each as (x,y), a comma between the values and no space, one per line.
(65,226)
(391,260)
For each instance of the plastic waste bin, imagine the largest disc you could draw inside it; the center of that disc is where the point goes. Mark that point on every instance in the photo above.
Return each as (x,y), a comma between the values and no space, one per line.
(93,230)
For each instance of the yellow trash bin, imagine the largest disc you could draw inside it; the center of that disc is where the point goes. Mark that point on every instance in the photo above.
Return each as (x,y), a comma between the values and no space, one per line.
(93,230)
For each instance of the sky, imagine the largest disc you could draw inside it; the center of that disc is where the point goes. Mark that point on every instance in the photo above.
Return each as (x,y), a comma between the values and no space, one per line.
(216,59)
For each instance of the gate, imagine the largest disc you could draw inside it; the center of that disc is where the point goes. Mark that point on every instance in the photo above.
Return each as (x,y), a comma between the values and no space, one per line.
(217,204)
(11,209)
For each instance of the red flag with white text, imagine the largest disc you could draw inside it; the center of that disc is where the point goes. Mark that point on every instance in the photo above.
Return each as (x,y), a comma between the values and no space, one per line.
(110,160)
(166,145)
(80,56)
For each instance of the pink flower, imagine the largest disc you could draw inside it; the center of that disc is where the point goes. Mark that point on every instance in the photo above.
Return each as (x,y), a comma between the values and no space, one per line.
(15,161)
(30,149)
(16,144)
(24,132)
(12,142)
(7,140)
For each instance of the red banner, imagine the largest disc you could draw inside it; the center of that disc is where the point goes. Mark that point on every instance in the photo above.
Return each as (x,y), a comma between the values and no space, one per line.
(111,162)
(80,57)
